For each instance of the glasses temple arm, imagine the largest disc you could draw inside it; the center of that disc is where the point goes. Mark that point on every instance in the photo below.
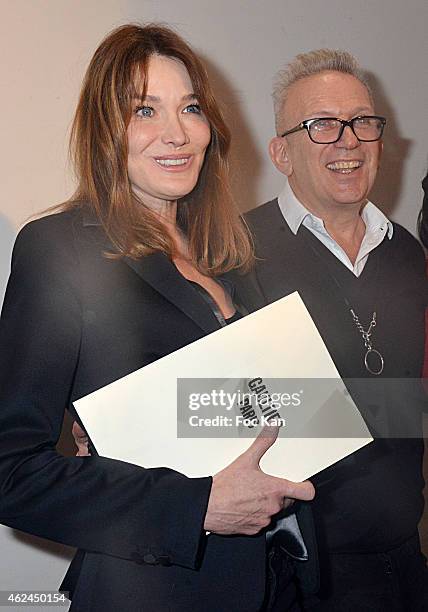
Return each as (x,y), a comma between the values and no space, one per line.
(299,127)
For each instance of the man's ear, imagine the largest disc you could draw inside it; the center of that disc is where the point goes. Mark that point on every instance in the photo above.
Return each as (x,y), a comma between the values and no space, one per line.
(278,151)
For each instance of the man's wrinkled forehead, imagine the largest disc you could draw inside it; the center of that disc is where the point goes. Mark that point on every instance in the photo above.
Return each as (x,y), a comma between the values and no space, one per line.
(326,94)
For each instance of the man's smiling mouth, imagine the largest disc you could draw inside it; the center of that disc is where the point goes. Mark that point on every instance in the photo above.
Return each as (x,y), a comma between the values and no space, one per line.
(344,167)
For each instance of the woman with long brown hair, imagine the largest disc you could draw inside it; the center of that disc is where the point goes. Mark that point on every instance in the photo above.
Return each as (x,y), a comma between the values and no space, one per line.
(128,271)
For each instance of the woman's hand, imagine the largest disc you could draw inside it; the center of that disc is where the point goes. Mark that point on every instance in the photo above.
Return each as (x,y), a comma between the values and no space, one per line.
(243,498)
(81,440)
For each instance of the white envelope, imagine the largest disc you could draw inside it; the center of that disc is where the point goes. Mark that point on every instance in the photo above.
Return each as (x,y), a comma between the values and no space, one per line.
(134,419)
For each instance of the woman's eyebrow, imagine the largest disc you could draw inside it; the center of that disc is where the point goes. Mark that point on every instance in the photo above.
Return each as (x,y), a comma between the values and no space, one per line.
(190,96)
(149,98)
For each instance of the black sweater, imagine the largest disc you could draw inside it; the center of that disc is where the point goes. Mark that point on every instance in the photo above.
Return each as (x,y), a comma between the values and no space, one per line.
(373,500)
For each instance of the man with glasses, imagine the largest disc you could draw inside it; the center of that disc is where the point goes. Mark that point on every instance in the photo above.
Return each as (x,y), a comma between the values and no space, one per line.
(362,279)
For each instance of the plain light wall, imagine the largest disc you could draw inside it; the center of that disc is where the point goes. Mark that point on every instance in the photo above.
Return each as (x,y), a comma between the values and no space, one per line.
(45,46)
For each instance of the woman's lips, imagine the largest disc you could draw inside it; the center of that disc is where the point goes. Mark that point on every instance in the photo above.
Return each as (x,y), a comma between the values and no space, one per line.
(173,162)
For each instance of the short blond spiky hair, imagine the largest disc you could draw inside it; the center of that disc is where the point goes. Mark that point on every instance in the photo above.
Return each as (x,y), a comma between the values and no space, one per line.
(308,64)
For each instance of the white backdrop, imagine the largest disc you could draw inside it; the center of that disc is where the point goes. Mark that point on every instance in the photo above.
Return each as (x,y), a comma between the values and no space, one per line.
(45,46)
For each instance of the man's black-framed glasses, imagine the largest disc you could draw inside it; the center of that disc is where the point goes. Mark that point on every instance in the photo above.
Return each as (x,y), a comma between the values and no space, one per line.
(326,130)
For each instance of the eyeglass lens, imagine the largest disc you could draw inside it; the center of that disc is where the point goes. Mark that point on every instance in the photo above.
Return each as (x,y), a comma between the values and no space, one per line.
(326,131)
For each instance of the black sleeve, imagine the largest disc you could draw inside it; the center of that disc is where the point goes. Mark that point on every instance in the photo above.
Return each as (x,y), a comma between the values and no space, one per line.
(413,257)
(423,215)
(92,503)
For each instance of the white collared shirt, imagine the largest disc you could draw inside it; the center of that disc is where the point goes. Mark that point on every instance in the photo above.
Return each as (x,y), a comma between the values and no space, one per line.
(377,227)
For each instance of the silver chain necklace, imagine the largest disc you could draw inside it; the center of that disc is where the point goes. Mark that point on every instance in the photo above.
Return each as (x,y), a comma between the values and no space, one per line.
(371,353)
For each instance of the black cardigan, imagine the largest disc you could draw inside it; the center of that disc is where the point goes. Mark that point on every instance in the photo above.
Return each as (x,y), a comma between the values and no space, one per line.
(374,502)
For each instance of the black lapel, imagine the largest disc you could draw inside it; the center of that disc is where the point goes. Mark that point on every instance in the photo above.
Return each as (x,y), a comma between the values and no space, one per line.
(162,275)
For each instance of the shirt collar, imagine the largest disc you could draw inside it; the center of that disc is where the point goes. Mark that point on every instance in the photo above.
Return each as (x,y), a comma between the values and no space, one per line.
(295,213)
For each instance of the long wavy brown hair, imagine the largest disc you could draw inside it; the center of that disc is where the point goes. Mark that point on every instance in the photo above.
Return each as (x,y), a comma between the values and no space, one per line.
(218,238)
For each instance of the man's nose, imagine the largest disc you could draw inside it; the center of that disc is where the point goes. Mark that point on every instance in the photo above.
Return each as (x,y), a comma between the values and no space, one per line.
(174,132)
(348,139)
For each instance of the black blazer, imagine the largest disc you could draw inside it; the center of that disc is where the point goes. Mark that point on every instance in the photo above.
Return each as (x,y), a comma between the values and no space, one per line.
(73,321)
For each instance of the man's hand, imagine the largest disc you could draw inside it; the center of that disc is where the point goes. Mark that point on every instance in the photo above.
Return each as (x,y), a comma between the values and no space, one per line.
(81,440)
(243,498)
